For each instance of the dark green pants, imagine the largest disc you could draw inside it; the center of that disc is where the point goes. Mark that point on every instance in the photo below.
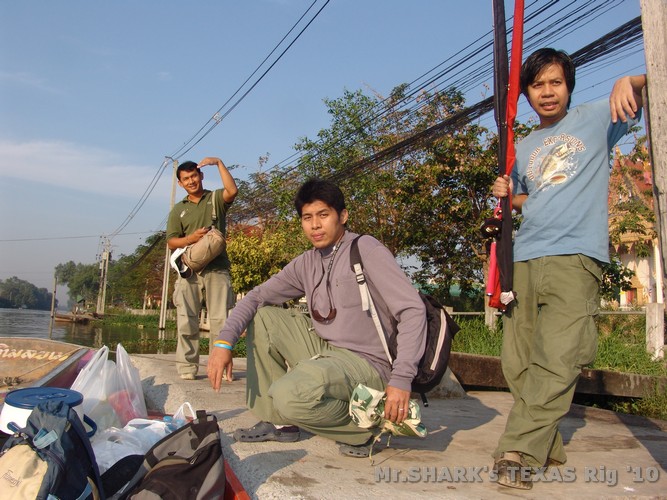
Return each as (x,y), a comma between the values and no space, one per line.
(549,335)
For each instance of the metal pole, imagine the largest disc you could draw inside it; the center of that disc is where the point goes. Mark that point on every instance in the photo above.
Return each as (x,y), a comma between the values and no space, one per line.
(53,304)
(167,254)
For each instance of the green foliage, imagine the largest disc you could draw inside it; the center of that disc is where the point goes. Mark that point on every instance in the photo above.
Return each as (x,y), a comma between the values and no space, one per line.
(615,277)
(133,277)
(145,345)
(476,338)
(17,293)
(257,255)
(622,346)
(119,318)
(653,405)
(83,280)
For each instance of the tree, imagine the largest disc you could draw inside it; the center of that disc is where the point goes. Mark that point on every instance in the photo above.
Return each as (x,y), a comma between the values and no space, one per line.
(631,215)
(256,254)
(17,293)
(83,280)
(133,276)
(430,201)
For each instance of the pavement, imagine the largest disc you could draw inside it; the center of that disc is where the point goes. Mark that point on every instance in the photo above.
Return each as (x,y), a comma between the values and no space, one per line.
(610,455)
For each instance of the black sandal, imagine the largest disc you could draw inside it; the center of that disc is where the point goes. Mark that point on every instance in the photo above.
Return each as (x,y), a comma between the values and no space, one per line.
(266,431)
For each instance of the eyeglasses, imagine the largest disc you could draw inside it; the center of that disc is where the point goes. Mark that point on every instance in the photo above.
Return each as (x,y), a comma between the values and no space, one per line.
(332,310)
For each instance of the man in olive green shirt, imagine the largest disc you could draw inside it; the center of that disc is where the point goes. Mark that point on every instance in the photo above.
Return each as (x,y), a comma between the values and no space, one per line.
(189,221)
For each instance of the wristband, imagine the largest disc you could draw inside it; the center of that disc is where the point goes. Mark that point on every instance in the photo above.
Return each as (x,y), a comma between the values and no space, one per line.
(224,344)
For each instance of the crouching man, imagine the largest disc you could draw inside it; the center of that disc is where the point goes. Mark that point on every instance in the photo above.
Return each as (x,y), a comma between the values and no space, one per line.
(302,370)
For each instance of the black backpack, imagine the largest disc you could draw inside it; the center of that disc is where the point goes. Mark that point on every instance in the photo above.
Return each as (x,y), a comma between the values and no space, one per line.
(186,464)
(440,332)
(50,457)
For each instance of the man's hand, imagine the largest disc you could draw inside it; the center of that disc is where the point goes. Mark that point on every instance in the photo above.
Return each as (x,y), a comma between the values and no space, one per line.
(502,186)
(209,160)
(198,234)
(219,365)
(396,405)
(626,97)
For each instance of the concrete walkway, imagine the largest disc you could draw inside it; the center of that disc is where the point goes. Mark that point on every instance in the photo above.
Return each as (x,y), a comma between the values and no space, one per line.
(610,455)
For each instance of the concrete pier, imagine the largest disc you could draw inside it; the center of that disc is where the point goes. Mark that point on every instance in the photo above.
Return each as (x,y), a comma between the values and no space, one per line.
(609,455)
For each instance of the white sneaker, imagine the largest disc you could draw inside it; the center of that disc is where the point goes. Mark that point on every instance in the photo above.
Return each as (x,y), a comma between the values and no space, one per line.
(188,376)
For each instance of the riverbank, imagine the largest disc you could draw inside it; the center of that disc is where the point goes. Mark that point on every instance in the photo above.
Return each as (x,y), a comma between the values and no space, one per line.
(610,455)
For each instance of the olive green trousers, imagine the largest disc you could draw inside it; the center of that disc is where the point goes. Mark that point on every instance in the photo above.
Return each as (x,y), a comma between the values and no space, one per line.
(295,377)
(549,334)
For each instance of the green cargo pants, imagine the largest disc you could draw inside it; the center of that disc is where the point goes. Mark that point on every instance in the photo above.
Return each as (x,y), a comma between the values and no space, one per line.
(549,334)
(295,377)
(189,293)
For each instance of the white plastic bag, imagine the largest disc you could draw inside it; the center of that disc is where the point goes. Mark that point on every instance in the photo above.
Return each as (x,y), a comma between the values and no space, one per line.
(95,382)
(136,438)
(128,398)
(180,418)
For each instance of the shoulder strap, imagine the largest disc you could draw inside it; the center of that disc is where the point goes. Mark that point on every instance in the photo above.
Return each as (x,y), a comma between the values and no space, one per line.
(366,298)
(214,215)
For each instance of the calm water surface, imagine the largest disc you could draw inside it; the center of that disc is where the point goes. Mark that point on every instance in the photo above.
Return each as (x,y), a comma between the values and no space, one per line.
(30,323)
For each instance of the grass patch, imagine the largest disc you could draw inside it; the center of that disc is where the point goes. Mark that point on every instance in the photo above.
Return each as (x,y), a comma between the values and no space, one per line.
(476,338)
(621,348)
(126,319)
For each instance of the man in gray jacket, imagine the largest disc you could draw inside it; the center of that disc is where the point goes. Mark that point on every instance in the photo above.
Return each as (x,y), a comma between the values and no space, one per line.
(302,370)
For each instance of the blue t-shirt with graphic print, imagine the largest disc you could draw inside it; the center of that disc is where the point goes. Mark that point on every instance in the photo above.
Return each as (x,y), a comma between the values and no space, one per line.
(564,169)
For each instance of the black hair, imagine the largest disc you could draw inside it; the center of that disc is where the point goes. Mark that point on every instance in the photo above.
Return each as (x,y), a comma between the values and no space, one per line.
(539,60)
(319,190)
(186,166)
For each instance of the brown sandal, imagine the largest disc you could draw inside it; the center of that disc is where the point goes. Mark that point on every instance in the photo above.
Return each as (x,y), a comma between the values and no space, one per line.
(512,472)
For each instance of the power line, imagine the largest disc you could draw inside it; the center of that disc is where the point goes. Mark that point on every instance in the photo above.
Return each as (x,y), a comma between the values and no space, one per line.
(620,39)
(472,65)
(56,238)
(217,116)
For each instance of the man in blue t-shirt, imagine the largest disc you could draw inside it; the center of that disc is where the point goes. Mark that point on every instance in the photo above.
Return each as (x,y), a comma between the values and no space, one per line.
(560,184)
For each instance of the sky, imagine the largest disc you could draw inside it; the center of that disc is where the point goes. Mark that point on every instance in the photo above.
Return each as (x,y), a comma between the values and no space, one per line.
(94,95)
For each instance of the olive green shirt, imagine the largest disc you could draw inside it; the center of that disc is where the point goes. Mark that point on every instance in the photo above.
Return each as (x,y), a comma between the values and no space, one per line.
(186,217)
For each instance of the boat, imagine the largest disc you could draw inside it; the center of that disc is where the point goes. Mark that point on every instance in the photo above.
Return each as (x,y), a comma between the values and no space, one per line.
(82,318)
(32,362)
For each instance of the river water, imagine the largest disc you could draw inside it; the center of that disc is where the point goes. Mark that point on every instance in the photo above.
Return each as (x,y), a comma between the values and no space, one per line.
(31,323)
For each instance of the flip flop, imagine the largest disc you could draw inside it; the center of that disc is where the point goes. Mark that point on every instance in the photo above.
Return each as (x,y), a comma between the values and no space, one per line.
(266,431)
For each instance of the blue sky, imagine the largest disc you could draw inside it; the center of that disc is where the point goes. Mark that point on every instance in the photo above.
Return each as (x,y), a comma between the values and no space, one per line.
(94,95)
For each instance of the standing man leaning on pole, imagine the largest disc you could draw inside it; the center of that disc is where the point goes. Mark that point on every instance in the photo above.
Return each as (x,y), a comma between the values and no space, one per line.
(189,221)
(560,183)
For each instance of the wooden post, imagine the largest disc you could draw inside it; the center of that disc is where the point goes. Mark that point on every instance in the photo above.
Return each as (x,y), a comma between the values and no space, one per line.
(654,20)
(53,305)
(655,330)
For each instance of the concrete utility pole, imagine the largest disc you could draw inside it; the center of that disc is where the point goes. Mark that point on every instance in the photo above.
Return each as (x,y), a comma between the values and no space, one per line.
(104,270)
(654,20)
(165,277)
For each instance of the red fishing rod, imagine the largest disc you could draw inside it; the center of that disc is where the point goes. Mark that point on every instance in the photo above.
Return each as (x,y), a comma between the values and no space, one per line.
(506,96)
